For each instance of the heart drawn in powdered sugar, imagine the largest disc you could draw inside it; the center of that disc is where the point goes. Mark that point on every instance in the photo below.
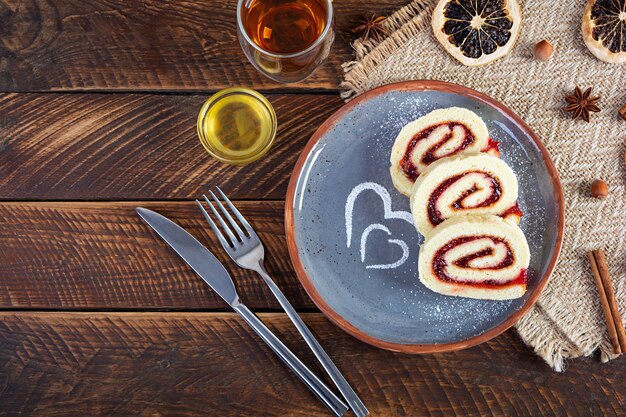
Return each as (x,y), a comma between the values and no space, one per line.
(401,243)
(389,214)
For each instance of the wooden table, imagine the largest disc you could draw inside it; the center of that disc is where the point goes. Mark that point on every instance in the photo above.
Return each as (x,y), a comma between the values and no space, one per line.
(101,318)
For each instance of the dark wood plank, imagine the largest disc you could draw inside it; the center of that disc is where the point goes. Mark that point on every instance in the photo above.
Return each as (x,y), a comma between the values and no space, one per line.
(211,364)
(117,147)
(74,45)
(102,256)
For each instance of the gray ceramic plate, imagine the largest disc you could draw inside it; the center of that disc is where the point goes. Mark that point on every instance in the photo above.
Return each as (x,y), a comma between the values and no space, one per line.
(350,233)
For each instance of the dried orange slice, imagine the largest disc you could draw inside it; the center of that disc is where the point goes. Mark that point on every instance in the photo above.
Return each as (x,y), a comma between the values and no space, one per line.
(477,32)
(604,29)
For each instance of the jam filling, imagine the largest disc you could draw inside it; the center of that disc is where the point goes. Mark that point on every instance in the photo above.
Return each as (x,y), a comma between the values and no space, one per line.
(440,264)
(408,166)
(513,210)
(492,145)
(434,214)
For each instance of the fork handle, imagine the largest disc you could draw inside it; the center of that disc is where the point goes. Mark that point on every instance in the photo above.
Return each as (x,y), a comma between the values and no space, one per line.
(320,389)
(344,387)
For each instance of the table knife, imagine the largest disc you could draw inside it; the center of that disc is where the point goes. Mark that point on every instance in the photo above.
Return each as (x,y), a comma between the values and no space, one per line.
(210,269)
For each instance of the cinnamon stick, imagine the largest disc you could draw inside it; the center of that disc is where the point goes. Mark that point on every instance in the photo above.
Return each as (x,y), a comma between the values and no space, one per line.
(610,295)
(606,309)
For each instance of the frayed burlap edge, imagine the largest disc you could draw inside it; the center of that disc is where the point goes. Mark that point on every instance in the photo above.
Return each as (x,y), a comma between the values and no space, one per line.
(547,340)
(402,25)
(538,330)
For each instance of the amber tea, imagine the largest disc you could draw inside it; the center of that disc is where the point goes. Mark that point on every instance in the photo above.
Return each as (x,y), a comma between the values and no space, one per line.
(284,26)
(286,40)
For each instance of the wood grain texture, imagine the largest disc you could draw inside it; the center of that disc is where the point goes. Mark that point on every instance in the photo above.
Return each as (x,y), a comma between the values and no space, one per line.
(103,256)
(139,147)
(145,364)
(74,45)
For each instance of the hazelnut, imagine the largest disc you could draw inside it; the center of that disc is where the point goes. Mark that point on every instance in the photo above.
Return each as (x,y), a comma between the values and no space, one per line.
(622,112)
(543,50)
(599,189)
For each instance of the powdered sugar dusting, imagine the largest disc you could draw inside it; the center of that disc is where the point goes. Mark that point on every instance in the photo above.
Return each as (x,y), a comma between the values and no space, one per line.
(392,304)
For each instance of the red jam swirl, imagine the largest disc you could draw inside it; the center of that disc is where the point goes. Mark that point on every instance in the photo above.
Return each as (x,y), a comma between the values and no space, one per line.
(514,210)
(408,166)
(440,264)
(492,145)
(434,214)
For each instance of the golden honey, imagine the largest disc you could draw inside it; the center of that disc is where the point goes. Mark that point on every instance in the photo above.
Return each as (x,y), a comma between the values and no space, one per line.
(237,125)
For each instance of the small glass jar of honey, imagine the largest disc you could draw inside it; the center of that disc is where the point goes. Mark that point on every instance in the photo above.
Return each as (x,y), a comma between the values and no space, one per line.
(237,125)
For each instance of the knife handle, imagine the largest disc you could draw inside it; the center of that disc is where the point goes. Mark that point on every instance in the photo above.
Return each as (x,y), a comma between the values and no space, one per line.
(320,389)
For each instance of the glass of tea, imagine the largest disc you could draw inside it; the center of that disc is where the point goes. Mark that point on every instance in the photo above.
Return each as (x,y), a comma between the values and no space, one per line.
(285,39)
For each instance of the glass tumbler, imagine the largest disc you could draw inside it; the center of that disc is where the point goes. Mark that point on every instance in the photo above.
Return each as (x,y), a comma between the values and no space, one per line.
(237,125)
(292,66)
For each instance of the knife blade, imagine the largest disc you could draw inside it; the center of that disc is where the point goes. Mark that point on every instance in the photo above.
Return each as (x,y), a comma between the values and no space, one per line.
(211,270)
(201,260)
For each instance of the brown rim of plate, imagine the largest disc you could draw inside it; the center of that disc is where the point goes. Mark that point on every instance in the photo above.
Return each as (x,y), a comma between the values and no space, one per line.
(418,85)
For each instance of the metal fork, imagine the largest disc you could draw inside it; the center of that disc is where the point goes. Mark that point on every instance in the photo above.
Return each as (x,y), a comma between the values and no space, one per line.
(248,252)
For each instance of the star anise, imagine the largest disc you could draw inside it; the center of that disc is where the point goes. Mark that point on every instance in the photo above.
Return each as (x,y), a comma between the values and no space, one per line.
(372,28)
(581,104)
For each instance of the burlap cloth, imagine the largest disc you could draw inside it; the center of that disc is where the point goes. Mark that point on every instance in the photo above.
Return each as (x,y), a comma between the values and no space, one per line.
(567,321)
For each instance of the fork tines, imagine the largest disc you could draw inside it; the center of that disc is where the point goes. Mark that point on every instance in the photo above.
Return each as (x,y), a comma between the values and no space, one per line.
(235,234)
